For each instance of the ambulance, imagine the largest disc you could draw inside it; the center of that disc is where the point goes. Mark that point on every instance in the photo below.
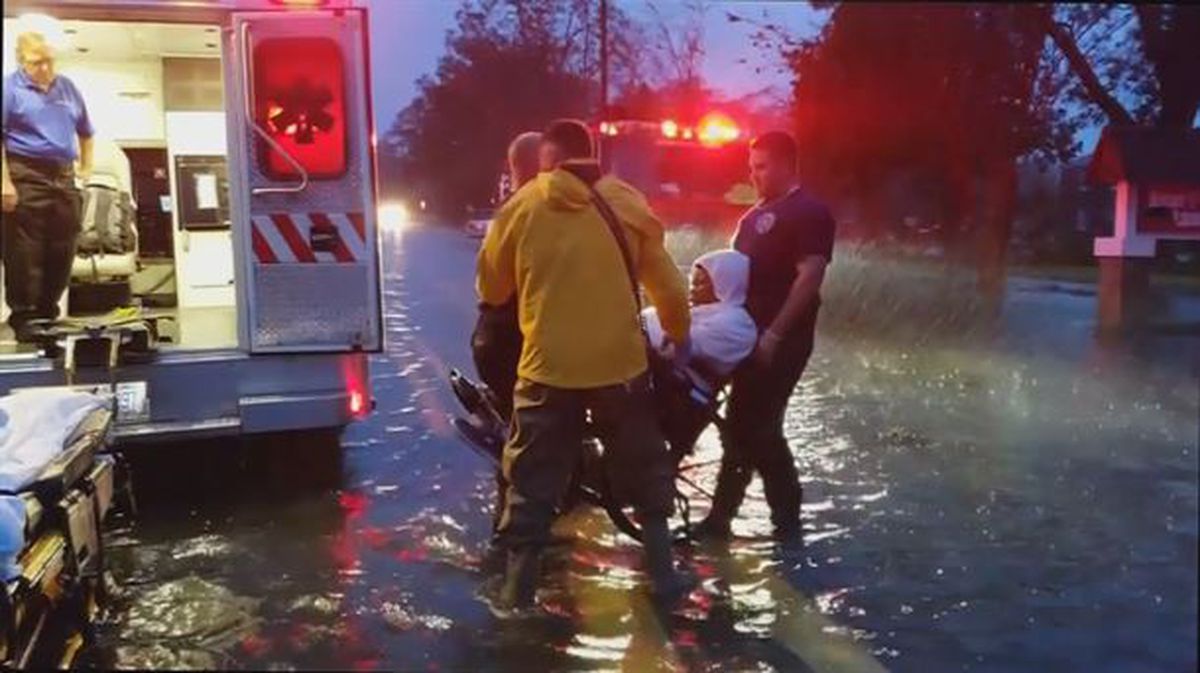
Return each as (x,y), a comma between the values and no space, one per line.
(244,129)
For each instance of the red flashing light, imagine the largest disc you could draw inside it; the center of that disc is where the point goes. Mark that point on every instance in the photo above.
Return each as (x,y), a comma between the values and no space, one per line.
(718,129)
(300,99)
(670,129)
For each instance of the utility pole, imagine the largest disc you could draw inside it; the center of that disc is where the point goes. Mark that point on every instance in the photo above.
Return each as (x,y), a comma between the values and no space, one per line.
(604,60)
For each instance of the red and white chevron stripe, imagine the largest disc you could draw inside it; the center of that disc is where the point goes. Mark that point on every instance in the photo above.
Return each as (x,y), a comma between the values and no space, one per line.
(287,238)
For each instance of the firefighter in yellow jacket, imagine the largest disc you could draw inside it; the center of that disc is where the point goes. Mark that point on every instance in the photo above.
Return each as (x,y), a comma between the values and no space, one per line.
(583,352)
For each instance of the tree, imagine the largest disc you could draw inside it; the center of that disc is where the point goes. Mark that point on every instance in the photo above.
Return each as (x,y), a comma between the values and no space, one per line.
(949,97)
(941,96)
(1155,69)
(672,85)
(509,66)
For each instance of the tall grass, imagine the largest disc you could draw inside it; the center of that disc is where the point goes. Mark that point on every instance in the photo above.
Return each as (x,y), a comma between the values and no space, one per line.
(881,293)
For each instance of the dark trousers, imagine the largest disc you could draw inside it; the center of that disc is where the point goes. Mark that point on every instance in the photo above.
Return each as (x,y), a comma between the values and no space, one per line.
(545,441)
(39,239)
(753,439)
(496,349)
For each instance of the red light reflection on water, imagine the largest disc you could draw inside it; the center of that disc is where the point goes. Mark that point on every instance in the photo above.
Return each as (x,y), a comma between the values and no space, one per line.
(353,503)
(255,645)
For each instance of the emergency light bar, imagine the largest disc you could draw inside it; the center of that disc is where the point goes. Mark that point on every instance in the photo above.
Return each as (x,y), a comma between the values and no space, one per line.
(713,130)
(716,129)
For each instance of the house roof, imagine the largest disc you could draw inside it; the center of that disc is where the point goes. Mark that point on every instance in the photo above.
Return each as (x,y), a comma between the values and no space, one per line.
(1145,154)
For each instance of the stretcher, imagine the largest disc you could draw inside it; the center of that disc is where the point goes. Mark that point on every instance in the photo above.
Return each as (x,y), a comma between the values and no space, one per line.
(686,403)
(54,584)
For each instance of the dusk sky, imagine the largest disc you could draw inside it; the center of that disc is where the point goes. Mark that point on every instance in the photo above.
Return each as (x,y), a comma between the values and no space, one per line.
(408,37)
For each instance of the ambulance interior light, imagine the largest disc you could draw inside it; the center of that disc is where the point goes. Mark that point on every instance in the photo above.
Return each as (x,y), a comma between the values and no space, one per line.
(50,28)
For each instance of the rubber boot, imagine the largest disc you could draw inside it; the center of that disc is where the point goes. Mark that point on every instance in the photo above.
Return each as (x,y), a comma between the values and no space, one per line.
(731,490)
(666,583)
(520,583)
(785,515)
(781,485)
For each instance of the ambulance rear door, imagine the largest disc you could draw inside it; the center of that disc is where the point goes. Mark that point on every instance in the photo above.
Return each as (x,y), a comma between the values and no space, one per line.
(301,143)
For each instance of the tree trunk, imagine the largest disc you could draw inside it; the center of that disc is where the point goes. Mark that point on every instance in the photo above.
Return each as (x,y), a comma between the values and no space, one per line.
(956,212)
(1169,38)
(999,196)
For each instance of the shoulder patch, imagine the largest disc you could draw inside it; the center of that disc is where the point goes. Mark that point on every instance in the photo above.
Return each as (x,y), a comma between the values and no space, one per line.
(764,222)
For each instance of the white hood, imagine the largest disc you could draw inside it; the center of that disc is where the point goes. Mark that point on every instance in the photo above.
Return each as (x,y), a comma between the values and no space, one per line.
(729,271)
(723,333)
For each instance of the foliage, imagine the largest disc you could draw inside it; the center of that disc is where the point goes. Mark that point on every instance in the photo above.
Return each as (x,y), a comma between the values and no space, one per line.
(883,293)
(943,100)
(509,66)
(1144,56)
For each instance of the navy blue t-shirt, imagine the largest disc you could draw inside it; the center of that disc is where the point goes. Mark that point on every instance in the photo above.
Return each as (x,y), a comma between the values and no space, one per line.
(777,235)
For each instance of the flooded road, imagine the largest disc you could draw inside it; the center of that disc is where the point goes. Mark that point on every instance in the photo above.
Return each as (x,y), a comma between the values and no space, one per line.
(1030,505)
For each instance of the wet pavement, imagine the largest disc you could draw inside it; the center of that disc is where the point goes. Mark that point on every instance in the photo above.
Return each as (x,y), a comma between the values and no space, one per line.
(1030,505)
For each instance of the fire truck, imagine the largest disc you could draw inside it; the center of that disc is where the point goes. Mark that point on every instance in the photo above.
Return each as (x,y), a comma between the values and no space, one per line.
(253,300)
(694,175)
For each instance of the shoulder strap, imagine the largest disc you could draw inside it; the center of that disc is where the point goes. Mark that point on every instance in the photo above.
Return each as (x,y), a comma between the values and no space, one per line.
(614,226)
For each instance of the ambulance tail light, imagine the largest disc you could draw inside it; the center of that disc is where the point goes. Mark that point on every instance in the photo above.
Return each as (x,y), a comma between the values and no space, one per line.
(357,403)
(356,382)
(670,129)
(358,399)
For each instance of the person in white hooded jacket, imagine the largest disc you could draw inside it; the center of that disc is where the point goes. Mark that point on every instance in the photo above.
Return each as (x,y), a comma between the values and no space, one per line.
(722,331)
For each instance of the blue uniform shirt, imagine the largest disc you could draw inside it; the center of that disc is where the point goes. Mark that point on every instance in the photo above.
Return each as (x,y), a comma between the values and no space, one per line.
(775,236)
(44,125)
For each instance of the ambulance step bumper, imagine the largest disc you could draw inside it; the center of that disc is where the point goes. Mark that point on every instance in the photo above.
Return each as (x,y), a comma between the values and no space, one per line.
(273,413)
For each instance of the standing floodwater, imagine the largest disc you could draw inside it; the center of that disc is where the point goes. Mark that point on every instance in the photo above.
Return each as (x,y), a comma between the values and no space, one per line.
(1016,499)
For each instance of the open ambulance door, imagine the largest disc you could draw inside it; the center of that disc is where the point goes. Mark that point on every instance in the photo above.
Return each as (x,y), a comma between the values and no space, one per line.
(302,173)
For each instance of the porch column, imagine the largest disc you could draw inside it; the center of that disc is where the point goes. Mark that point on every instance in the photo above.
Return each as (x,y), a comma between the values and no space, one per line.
(1124,259)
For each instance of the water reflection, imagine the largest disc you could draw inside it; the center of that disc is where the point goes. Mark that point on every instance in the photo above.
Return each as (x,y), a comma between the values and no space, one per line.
(1024,502)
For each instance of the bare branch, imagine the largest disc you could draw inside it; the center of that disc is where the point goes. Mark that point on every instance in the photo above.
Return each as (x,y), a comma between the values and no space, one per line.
(1062,37)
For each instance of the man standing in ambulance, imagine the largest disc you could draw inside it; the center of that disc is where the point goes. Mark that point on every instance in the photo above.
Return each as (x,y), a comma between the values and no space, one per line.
(46,129)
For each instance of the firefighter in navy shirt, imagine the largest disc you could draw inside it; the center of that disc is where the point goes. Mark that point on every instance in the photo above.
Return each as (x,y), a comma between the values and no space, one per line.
(789,238)
(46,128)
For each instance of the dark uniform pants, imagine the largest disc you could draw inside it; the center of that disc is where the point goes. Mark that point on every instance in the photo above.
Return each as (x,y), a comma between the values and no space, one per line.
(39,239)
(545,441)
(496,349)
(753,439)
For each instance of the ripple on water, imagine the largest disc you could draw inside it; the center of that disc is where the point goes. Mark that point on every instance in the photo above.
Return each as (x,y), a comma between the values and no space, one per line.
(401,617)
(190,611)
